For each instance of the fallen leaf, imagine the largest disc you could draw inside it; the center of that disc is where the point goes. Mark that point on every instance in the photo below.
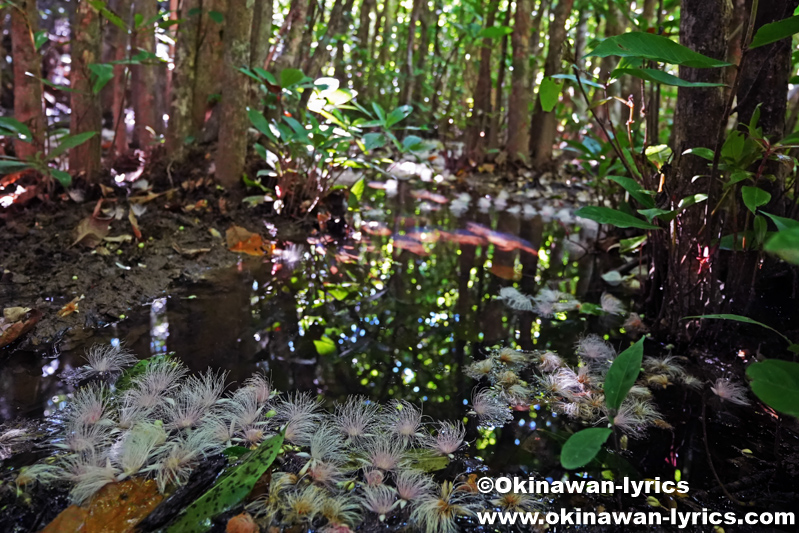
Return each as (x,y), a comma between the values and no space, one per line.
(241,240)
(91,231)
(18,329)
(119,238)
(71,307)
(134,224)
(189,251)
(215,233)
(116,508)
(13,314)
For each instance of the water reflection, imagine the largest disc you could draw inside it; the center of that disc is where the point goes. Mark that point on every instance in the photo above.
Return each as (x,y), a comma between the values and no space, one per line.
(396,311)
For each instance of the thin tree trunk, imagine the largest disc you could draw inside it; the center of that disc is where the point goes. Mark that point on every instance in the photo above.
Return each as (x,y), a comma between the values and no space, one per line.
(261,32)
(119,85)
(496,116)
(86,112)
(544,125)
(27,89)
(408,87)
(232,149)
(181,116)
(291,44)
(361,56)
(208,76)
(478,121)
(144,78)
(520,94)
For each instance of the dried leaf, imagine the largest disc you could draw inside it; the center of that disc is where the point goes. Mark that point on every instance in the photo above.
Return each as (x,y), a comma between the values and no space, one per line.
(18,329)
(189,251)
(134,224)
(116,508)
(13,314)
(91,231)
(241,240)
(119,238)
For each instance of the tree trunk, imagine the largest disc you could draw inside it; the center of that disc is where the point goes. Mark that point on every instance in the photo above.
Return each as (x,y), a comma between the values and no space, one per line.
(86,112)
(408,87)
(291,44)
(261,32)
(119,85)
(544,125)
(336,24)
(361,54)
(519,99)
(181,117)
(699,111)
(478,121)
(208,76)
(496,116)
(144,78)
(232,149)
(27,89)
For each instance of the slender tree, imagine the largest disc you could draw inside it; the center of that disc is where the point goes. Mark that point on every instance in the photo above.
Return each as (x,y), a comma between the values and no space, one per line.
(182,125)
(86,113)
(144,76)
(520,95)
(478,120)
(232,149)
(27,89)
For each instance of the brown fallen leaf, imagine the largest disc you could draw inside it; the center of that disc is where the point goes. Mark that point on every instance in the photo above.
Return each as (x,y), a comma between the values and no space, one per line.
(116,508)
(91,231)
(13,314)
(71,307)
(241,240)
(189,251)
(10,333)
(134,224)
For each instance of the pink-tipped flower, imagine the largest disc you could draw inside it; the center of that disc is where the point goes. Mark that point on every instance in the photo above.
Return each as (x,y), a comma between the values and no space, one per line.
(730,391)
(105,362)
(383,453)
(436,513)
(549,362)
(448,438)
(412,485)
(594,349)
(402,420)
(490,410)
(90,405)
(612,305)
(355,418)
(261,386)
(480,369)
(299,412)
(379,499)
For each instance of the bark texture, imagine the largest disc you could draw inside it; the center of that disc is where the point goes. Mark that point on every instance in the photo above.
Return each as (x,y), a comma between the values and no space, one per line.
(86,110)
(181,117)
(234,123)
(27,89)
(544,124)
(293,39)
(144,79)
(120,40)
(478,121)
(519,99)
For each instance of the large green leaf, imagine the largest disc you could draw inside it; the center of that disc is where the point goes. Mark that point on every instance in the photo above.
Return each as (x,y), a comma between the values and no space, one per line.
(655,47)
(102,74)
(606,215)
(548,92)
(775,31)
(229,491)
(398,114)
(783,223)
(583,446)
(738,318)
(785,245)
(776,383)
(622,374)
(12,126)
(664,78)
(70,141)
(261,124)
(290,77)
(754,197)
(643,196)
(494,32)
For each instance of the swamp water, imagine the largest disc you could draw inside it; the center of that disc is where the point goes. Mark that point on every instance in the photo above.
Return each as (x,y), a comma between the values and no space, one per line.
(395,310)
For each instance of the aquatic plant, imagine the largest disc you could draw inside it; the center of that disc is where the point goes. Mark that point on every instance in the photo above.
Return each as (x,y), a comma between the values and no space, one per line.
(412,485)
(448,438)
(300,413)
(490,409)
(402,420)
(104,361)
(436,513)
(355,417)
(379,499)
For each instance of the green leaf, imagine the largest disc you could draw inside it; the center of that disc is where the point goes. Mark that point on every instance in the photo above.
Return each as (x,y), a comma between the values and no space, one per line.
(775,31)
(494,32)
(425,460)
(572,77)
(229,491)
(664,78)
(62,177)
(655,47)
(704,153)
(356,191)
(11,165)
(100,6)
(582,447)
(631,244)
(761,227)
(290,77)
(587,308)
(102,74)
(261,124)
(549,92)
(70,141)
(692,199)
(398,114)
(411,143)
(39,38)
(733,146)
(606,215)
(216,16)
(12,126)
(785,245)
(622,374)
(325,345)
(782,223)
(373,140)
(381,114)
(643,196)
(738,318)
(754,197)
(776,383)
(663,214)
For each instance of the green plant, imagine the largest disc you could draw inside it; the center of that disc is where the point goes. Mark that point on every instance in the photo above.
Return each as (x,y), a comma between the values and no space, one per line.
(44,163)
(581,448)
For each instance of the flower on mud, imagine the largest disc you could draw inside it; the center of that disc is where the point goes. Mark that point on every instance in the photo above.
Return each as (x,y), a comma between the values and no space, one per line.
(412,485)
(384,453)
(730,391)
